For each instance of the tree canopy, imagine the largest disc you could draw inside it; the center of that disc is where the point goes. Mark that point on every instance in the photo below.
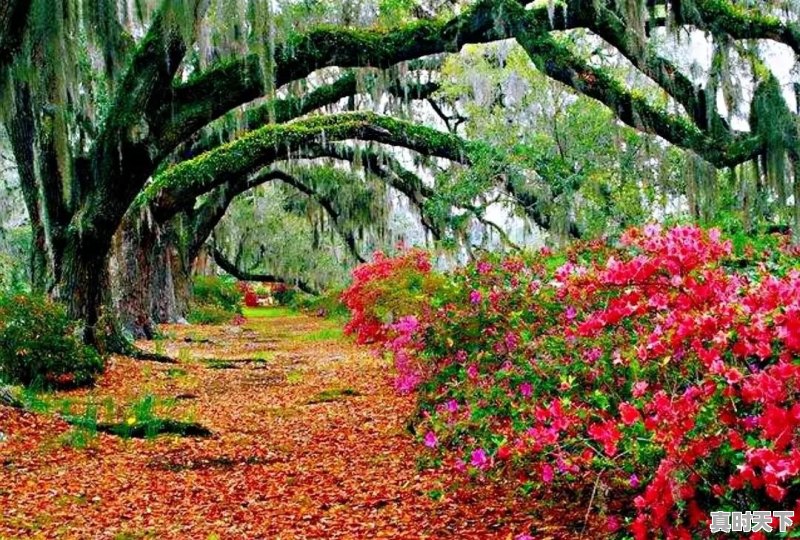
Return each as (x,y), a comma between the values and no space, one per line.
(564,117)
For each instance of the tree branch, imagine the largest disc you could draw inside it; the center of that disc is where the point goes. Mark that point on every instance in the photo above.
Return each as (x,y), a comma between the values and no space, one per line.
(224,87)
(228,266)
(171,190)
(282,110)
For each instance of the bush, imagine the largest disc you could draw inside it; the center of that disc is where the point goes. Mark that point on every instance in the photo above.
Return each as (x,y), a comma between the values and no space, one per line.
(217,291)
(284,294)
(208,314)
(249,294)
(328,304)
(38,344)
(655,367)
(387,289)
(215,300)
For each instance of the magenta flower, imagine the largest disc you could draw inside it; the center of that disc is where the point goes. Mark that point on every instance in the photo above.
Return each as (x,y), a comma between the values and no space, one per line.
(570,313)
(547,473)
(512,341)
(634,480)
(475,297)
(526,389)
(430,440)
(452,406)
(472,371)
(523,536)
(479,459)
(407,325)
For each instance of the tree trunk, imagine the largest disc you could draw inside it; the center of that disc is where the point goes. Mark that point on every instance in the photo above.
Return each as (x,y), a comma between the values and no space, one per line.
(84,287)
(151,276)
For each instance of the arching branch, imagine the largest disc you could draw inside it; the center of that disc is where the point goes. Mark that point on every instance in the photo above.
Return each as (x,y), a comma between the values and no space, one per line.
(206,217)
(282,110)
(242,275)
(184,182)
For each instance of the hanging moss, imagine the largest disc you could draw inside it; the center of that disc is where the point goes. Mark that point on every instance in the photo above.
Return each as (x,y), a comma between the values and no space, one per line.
(772,120)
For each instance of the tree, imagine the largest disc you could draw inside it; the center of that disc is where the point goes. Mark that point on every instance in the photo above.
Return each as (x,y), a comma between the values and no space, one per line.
(87,140)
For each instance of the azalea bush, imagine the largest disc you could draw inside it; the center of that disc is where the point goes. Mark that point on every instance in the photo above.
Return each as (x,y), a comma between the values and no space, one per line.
(663,369)
(39,344)
(386,290)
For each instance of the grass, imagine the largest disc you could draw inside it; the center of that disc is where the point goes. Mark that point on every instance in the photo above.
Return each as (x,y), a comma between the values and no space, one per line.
(294,377)
(268,312)
(264,356)
(324,334)
(333,394)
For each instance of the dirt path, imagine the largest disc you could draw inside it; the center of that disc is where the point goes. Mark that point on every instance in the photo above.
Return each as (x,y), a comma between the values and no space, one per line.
(308,442)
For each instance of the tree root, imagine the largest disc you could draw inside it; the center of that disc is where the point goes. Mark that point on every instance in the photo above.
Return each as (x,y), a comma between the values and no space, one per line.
(7,398)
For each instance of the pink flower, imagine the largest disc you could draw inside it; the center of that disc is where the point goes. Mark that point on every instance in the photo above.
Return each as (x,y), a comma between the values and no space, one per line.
(479,459)
(512,341)
(407,325)
(523,536)
(640,388)
(430,440)
(451,406)
(526,389)
(570,313)
(472,371)
(475,297)
(634,480)
(547,473)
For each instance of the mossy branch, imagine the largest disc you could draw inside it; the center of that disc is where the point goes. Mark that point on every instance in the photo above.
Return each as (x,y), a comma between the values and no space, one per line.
(224,87)
(184,182)
(122,158)
(282,110)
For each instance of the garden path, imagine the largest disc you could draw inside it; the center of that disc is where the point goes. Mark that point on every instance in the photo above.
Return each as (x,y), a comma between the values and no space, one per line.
(308,441)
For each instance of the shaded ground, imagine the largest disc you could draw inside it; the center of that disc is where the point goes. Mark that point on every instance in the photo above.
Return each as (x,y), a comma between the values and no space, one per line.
(307,442)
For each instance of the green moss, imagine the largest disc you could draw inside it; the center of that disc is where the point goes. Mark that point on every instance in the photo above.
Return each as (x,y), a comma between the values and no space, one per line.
(258,148)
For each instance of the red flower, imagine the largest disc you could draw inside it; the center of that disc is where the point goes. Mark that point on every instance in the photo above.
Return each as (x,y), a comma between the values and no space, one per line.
(628,413)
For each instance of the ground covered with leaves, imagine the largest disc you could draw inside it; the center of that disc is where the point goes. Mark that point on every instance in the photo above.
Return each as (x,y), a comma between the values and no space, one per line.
(307,439)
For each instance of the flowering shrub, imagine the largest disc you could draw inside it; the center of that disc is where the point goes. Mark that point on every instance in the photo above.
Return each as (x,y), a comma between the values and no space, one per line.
(385,290)
(664,368)
(249,295)
(39,345)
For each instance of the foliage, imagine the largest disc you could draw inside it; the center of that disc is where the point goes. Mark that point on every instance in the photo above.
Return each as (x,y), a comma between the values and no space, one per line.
(215,300)
(385,290)
(327,304)
(38,344)
(249,294)
(14,260)
(217,291)
(663,367)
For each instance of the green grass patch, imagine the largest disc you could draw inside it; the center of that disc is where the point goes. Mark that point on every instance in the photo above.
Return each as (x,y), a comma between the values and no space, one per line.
(264,356)
(333,394)
(294,377)
(268,312)
(176,373)
(324,334)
